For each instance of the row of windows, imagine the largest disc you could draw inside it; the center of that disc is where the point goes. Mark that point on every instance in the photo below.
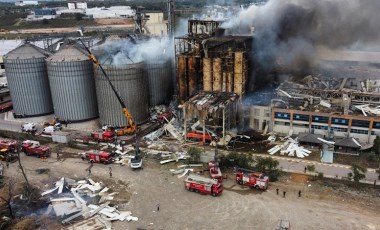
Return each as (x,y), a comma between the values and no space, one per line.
(339,121)
(337,129)
(322,119)
(359,131)
(322,127)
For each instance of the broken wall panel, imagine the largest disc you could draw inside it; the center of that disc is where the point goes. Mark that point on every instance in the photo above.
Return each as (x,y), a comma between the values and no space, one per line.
(192,75)
(182,78)
(217,74)
(207,74)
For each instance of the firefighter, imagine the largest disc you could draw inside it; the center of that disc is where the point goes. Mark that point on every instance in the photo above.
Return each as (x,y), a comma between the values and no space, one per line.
(277,191)
(299,193)
(284,193)
(110,171)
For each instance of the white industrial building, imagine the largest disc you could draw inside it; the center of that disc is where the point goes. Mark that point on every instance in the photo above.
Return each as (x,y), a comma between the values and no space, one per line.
(77,5)
(111,12)
(26,3)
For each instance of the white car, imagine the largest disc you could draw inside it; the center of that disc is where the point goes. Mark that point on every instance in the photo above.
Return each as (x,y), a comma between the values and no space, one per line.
(29,127)
(50,129)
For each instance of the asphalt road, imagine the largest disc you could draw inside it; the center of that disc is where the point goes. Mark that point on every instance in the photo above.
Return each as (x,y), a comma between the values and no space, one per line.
(285,163)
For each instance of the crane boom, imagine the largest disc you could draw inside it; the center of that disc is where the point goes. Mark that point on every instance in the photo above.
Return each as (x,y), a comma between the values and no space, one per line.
(132,126)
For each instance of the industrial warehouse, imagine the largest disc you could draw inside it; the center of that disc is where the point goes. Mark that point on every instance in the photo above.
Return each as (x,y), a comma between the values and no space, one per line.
(265,115)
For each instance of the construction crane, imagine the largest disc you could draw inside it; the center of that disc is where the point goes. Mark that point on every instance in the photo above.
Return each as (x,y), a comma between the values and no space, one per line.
(131,126)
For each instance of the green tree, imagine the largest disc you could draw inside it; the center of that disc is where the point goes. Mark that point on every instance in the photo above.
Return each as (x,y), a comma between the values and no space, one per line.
(357,174)
(236,160)
(269,166)
(195,155)
(376,145)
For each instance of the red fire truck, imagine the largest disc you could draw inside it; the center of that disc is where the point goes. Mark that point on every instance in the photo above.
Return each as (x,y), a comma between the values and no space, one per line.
(103,136)
(96,156)
(195,136)
(34,148)
(9,145)
(215,172)
(256,180)
(195,183)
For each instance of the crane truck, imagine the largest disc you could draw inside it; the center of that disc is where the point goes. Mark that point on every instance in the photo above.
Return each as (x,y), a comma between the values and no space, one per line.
(131,126)
(253,179)
(199,184)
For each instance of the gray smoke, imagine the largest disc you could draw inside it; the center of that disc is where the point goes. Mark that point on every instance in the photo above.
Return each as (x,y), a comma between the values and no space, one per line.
(125,51)
(287,32)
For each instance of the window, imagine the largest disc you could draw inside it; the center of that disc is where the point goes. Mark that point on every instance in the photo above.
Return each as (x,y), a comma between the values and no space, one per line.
(359,123)
(257,112)
(300,117)
(376,125)
(337,129)
(279,115)
(322,127)
(339,121)
(359,131)
(266,112)
(320,119)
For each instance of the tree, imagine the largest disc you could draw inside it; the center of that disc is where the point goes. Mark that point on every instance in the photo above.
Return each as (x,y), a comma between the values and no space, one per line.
(195,155)
(45,21)
(7,194)
(268,165)
(236,160)
(376,145)
(357,174)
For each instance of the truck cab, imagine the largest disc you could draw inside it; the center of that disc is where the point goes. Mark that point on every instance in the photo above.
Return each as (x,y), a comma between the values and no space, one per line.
(96,156)
(103,136)
(34,148)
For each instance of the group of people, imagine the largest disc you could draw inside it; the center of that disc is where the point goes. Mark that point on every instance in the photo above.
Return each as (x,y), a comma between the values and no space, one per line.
(284,193)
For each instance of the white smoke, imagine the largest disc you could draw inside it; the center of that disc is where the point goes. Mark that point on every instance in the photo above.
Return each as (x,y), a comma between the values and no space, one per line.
(126,51)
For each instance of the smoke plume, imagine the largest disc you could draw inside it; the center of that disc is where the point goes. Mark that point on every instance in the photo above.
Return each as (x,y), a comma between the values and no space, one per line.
(287,32)
(127,51)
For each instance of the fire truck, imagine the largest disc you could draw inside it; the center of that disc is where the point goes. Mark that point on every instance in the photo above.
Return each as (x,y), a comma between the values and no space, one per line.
(198,184)
(106,136)
(253,179)
(215,172)
(9,145)
(34,148)
(96,156)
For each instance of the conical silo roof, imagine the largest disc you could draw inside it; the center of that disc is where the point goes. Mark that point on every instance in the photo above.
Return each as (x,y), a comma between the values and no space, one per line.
(67,54)
(26,51)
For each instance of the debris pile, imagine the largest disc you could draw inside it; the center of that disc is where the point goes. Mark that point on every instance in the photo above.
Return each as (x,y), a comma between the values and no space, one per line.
(291,148)
(87,199)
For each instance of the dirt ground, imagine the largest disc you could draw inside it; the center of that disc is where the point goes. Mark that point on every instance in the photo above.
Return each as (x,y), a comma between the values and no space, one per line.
(320,206)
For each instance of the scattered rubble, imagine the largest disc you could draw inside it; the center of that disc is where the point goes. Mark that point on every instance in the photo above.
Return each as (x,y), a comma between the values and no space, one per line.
(80,200)
(291,148)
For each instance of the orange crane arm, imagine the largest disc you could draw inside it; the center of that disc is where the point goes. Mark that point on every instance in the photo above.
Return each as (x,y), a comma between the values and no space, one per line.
(131,128)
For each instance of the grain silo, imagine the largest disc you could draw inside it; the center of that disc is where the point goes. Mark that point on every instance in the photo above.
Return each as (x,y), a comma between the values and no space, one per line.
(159,74)
(72,84)
(131,84)
(28,82)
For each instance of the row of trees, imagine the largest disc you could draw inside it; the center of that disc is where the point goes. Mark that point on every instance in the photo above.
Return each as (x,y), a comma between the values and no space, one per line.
(268,165)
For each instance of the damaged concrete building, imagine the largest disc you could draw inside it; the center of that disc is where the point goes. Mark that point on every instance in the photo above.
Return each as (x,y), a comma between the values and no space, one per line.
(214,69)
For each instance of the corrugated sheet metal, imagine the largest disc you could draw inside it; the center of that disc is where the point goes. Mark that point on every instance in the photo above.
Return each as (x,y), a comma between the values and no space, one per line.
(160,82)
(131,83)
(27,80)
(72,85)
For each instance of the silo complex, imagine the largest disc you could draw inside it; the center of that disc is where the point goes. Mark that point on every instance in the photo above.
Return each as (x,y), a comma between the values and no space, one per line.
(72,84)
(160,81)
(131,84)
(28,82)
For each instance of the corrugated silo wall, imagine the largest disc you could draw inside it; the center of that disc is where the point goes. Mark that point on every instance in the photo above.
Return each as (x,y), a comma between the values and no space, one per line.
(131,84)
(29,86)
(160,82)
(72,87)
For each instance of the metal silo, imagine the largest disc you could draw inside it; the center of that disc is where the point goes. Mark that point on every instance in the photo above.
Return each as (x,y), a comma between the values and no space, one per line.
(131,84)
(160,81)
(28,82)
(72,84)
